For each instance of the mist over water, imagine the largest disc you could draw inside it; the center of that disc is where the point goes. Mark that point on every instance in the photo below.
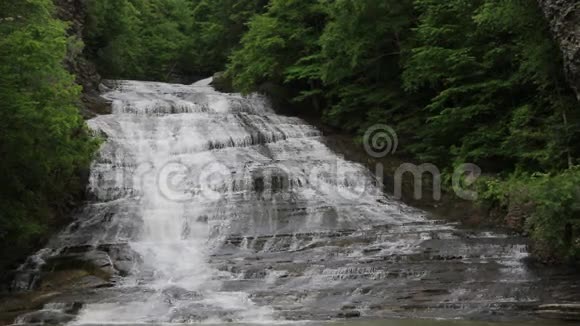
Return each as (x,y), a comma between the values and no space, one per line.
(211,208)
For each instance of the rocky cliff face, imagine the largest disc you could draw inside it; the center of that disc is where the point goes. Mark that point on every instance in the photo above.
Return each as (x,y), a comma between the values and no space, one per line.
(74,12)
(564,18)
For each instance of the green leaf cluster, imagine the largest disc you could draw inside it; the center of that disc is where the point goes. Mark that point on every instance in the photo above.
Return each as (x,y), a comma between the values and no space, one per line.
(44,142)
(137,39)
(156,39)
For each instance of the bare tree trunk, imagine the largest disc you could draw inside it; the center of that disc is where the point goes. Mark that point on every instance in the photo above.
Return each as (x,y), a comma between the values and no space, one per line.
(568,152)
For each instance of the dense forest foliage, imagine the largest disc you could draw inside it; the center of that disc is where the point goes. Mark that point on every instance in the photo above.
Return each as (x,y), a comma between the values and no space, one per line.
(477,81)
(156,40)
(461,81)
(44,142)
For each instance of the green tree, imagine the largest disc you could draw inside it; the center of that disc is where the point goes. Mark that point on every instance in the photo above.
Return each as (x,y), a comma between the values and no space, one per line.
(498,94)
(138,39)
(44,142)
(216,29)
(163,36)
(279,45)
(112,37)
(361,51)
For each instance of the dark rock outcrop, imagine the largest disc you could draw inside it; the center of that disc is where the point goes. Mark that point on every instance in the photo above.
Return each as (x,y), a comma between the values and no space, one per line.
(222,83)
(564,19)
(74,12)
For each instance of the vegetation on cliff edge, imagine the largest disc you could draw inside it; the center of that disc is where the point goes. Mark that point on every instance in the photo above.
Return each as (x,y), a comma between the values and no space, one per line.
(44,142)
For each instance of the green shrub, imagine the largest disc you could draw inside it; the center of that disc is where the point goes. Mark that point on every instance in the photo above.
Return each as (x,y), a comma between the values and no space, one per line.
(44,142)
(553,221)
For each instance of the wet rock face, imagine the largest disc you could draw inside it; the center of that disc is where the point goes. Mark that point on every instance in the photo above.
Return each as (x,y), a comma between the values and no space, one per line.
(570,312)
(74,12)
(426,269)
(207,206)
(222,83)
(564,19)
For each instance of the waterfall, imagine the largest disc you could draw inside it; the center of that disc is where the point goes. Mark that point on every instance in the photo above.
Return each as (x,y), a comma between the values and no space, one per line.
(210,207)
(191,167)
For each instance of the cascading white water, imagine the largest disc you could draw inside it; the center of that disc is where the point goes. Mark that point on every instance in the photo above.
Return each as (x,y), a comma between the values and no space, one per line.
(190,163)
(210,207)
(159,134)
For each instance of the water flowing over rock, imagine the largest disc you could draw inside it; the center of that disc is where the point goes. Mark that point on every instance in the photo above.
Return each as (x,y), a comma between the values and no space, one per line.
(564,19)
(210,207)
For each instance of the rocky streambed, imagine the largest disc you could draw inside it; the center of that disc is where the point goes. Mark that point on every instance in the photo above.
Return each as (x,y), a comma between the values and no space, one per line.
(209,207)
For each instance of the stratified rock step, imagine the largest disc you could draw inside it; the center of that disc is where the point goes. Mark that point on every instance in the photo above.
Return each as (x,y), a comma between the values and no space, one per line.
(273,231)
(564,311)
